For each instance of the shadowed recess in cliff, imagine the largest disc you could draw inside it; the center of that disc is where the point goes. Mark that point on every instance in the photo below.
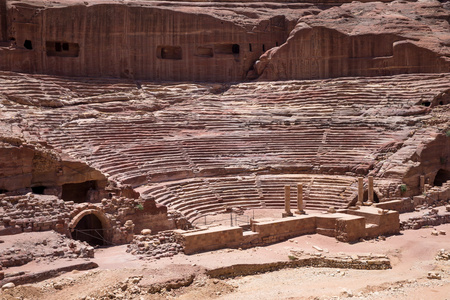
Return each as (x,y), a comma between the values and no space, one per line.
(78,192)
(442,176)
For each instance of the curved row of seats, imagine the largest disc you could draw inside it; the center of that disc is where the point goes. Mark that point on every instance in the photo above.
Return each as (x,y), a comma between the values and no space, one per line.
(200,196)
(196,150)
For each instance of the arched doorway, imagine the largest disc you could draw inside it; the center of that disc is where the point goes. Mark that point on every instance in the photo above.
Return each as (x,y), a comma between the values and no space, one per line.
(441,177)
(89,229)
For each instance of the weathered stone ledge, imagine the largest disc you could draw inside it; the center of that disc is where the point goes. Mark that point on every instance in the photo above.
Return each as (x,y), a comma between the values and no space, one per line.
(40,276)
(360,262)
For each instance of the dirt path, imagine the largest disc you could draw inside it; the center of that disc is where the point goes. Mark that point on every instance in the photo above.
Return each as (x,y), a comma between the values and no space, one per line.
(122,276)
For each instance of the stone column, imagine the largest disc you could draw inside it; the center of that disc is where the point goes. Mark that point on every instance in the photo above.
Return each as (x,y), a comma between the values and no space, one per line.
(422,183)
(300,210)
(287,201)
(370,191)
(360,191)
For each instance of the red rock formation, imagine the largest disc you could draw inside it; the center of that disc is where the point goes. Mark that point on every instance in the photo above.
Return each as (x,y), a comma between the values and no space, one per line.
(191,149)
(140,40)
(23,166)
(202,148)
(3,21)
(159,41)
(363,39)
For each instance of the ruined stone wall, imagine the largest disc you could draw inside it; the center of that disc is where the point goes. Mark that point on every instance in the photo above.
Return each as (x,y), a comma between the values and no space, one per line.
(319,52)
(120,217)
(110,40)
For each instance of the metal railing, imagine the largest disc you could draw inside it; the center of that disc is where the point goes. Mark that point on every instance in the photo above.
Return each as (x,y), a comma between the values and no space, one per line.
(98,235)
(233,219)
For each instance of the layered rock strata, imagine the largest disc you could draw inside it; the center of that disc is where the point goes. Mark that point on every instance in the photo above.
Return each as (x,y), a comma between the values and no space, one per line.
(197,148)
(228,42)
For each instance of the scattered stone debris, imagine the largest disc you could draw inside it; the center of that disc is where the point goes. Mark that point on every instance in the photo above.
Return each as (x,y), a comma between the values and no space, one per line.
(318,248)
(44,248)
(162,244)
(433,218)
(8,285)
(434,275)
(128,289)
(443,255)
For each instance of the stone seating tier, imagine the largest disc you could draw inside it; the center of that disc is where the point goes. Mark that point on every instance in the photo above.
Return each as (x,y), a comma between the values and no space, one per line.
(222,145)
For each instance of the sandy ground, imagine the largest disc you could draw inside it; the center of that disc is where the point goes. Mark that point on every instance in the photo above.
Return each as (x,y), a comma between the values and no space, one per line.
(412,256)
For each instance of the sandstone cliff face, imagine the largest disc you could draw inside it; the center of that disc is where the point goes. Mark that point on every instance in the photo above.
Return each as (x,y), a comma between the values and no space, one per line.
(363,39)
(3,21)
(222,41)
(139,41)
(23,166)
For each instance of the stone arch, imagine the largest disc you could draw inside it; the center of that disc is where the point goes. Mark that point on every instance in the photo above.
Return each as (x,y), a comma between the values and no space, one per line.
(89,216)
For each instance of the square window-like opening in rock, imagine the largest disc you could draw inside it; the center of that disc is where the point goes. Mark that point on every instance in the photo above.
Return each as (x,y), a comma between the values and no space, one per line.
(227,48)
(169,52)
(205,52)
(62,49)
(28,45)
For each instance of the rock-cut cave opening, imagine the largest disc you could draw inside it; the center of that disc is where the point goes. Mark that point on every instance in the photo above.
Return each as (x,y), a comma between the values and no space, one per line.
(77,192)
(441,177)
(38,190)
(89,229)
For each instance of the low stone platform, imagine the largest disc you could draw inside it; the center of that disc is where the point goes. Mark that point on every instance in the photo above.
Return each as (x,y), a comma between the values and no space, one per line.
(346,225)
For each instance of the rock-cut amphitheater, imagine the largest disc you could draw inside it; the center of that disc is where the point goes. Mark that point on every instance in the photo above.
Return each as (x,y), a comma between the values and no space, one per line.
(124,118)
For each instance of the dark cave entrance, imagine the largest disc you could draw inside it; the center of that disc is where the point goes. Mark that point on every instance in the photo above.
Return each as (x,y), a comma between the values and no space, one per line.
(366,197)
(89,229)
(28,45)
(38,190)
(78,192)
(441,177)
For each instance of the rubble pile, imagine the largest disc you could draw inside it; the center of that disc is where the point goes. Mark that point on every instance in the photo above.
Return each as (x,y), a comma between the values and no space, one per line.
(432,218)
(443,255)
(162,244)
(127,289)
(46,249)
